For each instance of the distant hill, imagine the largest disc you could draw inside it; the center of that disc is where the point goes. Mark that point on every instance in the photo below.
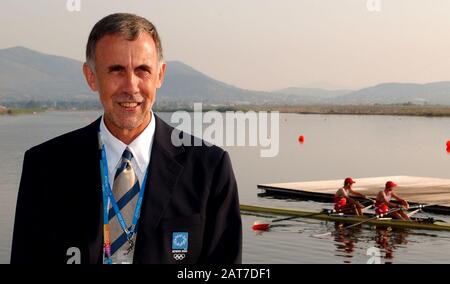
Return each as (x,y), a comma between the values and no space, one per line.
(309,95)
(184,83)
(398,93)
(27,75)
(313,92)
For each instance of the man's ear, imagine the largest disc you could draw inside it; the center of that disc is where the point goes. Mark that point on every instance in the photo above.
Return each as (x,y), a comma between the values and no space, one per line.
(162,72)
(90,77)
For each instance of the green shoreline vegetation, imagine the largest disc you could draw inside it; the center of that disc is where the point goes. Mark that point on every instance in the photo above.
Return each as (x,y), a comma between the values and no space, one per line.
(396,110)
(20,111)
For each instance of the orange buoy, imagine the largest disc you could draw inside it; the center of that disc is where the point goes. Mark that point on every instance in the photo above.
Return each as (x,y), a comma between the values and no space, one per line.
(301,139)
(260,226)
(448,146)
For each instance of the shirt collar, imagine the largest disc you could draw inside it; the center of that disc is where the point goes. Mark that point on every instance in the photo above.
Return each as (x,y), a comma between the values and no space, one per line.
(140,147)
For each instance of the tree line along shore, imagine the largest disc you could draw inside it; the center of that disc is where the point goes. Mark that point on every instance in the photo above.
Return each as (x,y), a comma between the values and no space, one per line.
(401,110)
(18,111)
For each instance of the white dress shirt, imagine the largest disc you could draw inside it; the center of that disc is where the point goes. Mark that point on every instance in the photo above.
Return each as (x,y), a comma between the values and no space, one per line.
(141,148)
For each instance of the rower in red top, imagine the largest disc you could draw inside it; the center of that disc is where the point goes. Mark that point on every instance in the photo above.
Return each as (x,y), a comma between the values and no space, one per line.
(383,202)
(343,203)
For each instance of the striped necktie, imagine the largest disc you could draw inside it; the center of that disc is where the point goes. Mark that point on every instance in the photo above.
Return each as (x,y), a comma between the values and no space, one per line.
(125,189)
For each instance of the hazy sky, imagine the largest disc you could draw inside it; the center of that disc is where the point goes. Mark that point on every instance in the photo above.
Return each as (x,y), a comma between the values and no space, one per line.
(262,44)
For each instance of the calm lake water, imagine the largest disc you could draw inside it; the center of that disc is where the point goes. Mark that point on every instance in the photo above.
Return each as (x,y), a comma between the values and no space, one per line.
(335,146)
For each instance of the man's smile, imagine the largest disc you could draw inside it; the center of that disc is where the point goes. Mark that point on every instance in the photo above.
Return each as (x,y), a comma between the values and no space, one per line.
(129,105)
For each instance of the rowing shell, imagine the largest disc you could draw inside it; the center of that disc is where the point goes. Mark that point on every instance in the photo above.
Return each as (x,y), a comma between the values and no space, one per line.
(416,223)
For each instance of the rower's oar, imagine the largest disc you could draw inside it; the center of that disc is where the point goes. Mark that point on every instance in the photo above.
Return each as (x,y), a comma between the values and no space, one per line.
(413,212)
(367,207)
(264,226)
(375,217)
(324,211)
(420,209)
(284,219)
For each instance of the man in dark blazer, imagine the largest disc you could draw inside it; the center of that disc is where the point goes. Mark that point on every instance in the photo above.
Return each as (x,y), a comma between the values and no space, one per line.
(189,189)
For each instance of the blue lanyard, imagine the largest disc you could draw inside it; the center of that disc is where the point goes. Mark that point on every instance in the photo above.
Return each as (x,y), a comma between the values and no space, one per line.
(108,196)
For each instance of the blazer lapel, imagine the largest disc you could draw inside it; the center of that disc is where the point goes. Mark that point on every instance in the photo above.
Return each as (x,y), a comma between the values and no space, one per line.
(163,172)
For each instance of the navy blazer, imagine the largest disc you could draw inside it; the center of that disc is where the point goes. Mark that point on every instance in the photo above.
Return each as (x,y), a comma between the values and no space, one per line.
(189,189)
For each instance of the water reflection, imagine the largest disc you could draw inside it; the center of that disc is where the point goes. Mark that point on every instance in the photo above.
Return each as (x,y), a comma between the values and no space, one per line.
(345,241)
(386,239)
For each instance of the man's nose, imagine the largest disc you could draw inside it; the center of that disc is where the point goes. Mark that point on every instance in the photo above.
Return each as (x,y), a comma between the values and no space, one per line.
(131,84)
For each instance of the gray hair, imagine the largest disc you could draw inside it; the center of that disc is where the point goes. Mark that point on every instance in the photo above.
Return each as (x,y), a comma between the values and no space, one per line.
(127,25)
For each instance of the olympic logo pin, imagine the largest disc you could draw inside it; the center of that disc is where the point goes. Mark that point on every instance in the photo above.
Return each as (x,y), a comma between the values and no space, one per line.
(180,241)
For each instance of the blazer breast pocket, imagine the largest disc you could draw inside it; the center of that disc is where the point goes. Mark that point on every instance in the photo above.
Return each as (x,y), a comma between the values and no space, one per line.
(183,238)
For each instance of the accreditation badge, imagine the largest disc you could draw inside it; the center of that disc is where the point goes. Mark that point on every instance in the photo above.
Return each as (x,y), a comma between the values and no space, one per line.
(180,241)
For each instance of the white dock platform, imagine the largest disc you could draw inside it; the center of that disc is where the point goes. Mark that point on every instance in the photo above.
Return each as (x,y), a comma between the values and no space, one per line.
(413,189)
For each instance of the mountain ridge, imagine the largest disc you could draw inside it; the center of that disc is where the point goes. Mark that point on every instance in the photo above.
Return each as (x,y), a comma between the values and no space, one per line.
(26,74)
